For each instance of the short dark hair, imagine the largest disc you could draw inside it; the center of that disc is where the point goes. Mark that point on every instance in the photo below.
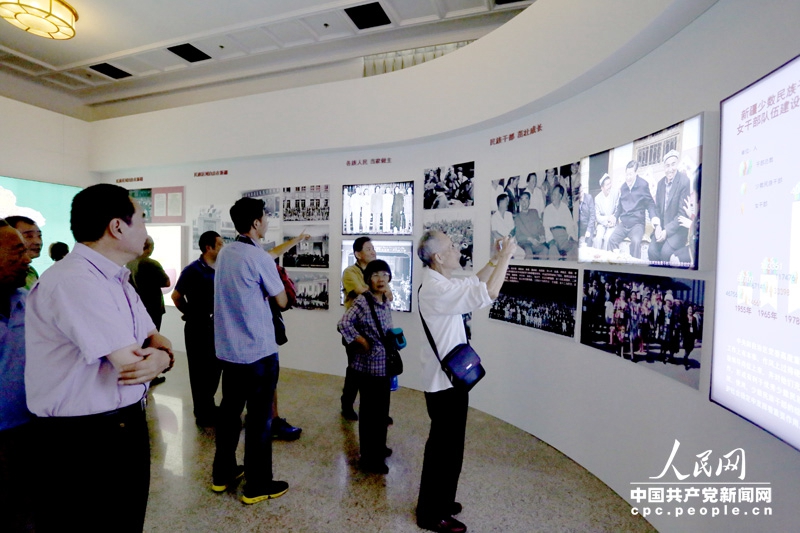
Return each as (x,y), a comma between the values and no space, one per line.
(524,193)
(632,164)
(95,207)
(378,265)
(246,211)
(501,197)
(359,243)
(207,240)
(16,219)
(58,250)
(559,188)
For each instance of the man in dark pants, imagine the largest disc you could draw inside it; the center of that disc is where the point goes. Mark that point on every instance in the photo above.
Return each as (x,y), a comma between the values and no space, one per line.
(246,276)
(148,277)
(442,301)
(634,200)
(194,297)
(86,372)
(16,427)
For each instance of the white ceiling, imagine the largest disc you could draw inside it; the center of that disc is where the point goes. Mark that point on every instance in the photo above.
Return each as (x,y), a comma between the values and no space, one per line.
(250,43)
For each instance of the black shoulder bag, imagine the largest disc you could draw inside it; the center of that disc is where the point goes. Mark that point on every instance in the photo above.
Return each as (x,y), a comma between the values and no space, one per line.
(462,364)
(394,363)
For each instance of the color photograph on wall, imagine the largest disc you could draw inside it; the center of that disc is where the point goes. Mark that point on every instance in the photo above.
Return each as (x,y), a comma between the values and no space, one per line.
(448,187)
(399,256)
(306,203)
(645,197)
(460,232)
(145,199)
(539,298)
(540,210)
(312,289)
(378,209)
(653,321)
(309,253)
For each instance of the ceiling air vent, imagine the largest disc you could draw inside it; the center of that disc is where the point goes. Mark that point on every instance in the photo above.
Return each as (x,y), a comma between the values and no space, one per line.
(189,53)
(111,71)
(368,16)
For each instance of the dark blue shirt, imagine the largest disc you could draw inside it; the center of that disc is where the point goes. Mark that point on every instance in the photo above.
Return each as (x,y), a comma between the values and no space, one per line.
(13,406)
(196,284)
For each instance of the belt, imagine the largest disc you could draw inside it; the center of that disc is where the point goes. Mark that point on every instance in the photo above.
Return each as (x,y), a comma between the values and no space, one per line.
(122,412)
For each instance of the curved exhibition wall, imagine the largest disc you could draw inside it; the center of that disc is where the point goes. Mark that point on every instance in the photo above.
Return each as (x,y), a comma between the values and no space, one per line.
(587,76)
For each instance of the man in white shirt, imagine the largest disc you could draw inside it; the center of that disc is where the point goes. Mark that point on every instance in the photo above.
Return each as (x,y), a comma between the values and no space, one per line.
(442,301)
(559,227)
(604,204)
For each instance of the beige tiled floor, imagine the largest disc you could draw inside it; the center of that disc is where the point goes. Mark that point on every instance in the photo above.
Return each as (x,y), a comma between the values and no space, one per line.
(511,482)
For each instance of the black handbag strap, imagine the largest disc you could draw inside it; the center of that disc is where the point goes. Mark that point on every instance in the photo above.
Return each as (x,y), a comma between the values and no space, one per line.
(428,332)
(378,324)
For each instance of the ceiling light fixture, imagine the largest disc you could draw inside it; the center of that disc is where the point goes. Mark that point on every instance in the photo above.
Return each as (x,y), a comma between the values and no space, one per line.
(54,19)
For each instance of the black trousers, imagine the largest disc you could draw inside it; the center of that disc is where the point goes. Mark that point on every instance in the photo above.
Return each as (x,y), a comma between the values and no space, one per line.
(92,473)
(204,367)
(16,486)
(252,385)
(350,390)
(444,453)
(372,414)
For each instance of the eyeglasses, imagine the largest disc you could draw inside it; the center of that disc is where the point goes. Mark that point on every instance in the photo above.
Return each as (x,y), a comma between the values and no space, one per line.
(381,275)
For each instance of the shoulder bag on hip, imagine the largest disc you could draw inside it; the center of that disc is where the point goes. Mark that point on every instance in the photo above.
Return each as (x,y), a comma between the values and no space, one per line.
(462,364)
(394,363)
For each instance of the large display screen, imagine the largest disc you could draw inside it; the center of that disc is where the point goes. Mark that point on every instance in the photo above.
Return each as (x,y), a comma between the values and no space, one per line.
(756,363)
(48,204)
(400,258)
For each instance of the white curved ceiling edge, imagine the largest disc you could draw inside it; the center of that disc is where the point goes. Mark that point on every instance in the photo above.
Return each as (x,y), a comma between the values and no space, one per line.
(550,52)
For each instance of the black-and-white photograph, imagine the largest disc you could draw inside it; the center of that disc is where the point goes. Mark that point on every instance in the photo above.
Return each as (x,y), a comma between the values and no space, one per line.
(642,200)
(447,187)
(538,209)
(460,232)
(273,201)
(399,256)
(649,320)
(312,289)
(308,253)
(212,218)
(306,203)
(538,297)
(378,209)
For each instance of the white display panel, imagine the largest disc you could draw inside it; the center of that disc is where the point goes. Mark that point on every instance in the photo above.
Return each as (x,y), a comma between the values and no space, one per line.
(756,362)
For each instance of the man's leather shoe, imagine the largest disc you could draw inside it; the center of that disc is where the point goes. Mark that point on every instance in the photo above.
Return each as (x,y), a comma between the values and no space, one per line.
(283,430)
(445,525)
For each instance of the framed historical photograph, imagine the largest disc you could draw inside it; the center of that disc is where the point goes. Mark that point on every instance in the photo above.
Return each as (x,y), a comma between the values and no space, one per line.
(399,256)
(460,230)
(653,321)
(641,203)
(539,298)
(448,187)
(378,209)
(312,289)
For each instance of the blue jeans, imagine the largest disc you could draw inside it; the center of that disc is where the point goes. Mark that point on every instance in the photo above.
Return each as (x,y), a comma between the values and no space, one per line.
(252,385)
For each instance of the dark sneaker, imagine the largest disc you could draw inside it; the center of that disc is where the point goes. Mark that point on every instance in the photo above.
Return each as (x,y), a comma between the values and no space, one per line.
(349,414)
(275,489)
(373,467)
(221,485)
(283,430)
